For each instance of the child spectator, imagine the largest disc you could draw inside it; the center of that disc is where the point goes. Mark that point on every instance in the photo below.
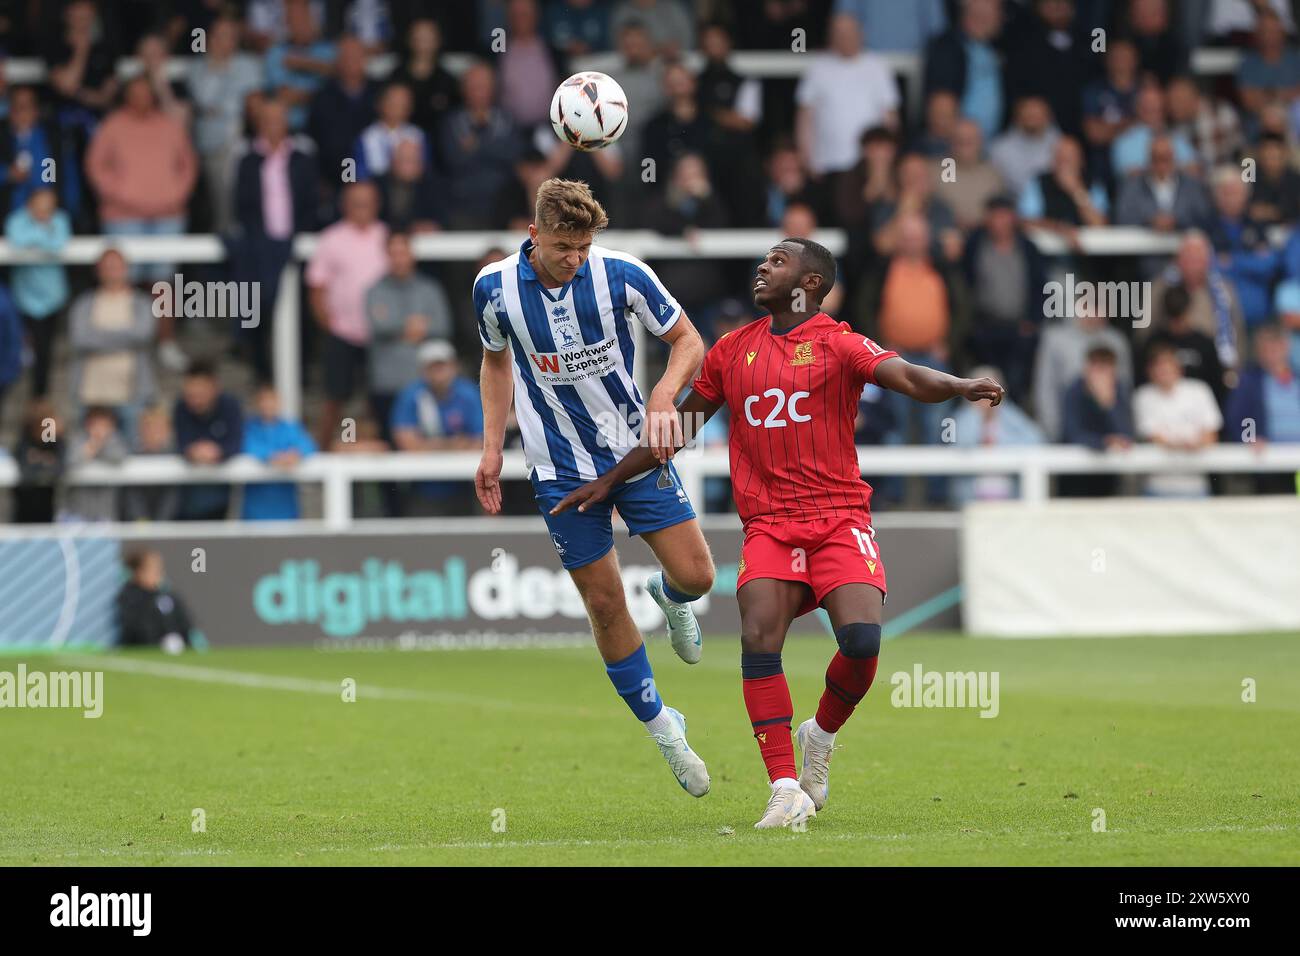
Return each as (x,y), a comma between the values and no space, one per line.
(209,429)
(152,502)
(40,290)
(99,440)
(1096,413)
(1178,413)
(280,443)
(39,457)
(985,425)
(149,614)
(1194,349)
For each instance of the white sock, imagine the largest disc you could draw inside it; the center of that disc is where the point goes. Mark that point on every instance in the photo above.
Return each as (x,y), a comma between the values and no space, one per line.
(823,738)
(659,723)
(785,783)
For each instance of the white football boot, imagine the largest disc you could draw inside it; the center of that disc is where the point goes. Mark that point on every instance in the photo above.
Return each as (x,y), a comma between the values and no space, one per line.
(788,806)
(815,770)
(684,762)
(683,629)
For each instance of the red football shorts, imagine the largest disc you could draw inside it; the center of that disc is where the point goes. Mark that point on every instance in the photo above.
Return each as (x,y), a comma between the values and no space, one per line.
(822,554)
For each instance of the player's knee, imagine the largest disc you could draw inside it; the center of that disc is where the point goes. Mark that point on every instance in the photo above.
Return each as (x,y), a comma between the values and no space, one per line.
(859,640)
(759,640)
(699,580)
(604,606)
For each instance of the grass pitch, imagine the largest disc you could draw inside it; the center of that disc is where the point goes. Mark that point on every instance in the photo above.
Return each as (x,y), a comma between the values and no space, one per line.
(526,757)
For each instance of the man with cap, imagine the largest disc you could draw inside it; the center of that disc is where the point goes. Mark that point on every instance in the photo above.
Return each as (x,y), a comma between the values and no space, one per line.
(440,411)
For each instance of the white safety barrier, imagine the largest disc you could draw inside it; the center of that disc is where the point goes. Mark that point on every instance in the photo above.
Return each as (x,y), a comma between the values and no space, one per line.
(336,473)
(1124,567)
(472,245)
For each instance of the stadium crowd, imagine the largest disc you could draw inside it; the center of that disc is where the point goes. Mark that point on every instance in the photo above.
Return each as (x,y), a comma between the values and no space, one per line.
(263,120)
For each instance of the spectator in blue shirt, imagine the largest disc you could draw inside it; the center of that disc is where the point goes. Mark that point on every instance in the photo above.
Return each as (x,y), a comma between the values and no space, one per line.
(1131,151)
(1265,405)
(376,144)
(893,27)
(1286,303)
(965,60)
(41,289)
(209,427)
(442,411)
(1271,72)
(29,152)
(299,67)
(280,443)
(1245,254)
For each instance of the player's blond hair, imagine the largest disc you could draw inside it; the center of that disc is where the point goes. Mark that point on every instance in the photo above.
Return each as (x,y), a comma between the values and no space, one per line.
(567,205)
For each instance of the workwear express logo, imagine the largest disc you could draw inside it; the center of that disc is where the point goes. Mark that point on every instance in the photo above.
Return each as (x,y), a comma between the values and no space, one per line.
(343,603)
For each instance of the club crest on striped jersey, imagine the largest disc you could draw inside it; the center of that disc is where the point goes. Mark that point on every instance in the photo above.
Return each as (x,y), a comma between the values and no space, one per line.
(803,354)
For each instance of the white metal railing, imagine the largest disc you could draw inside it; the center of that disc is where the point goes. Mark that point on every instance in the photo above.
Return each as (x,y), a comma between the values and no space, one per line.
(1034,466)
(760,64)
(469,246)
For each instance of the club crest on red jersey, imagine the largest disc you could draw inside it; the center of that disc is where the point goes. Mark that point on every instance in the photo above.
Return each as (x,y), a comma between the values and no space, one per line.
(803,354)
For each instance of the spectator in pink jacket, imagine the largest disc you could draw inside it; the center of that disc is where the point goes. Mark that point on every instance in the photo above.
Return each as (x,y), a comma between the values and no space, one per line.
(143,167)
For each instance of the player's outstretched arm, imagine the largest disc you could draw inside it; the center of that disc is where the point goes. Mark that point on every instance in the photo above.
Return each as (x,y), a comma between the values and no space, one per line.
(929,385)
(692,413)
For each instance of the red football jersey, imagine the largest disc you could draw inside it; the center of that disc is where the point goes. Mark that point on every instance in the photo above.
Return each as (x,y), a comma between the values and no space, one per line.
(793,400)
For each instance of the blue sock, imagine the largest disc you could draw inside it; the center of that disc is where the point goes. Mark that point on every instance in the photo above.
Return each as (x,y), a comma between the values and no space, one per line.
(635,683)
(674,595)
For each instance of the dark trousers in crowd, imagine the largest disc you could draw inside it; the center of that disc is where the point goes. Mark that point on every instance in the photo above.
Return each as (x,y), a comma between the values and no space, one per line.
(204,503)
(40,332)
(390,492)
(260,259)
(33,504)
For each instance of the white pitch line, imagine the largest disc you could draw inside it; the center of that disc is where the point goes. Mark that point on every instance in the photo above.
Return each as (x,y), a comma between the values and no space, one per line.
(304,685)
(674,841)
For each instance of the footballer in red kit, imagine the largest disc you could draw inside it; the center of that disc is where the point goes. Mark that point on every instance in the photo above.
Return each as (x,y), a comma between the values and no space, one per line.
(791,382)
(793,399)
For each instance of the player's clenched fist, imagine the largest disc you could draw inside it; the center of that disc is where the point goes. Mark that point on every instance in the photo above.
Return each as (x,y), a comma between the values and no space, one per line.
(982,390)
(663,428)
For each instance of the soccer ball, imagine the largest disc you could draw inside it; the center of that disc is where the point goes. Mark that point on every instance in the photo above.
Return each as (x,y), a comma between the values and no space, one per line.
(589,111)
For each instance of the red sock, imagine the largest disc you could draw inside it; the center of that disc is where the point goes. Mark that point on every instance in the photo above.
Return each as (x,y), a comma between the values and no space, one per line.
(770,712)
(847,682)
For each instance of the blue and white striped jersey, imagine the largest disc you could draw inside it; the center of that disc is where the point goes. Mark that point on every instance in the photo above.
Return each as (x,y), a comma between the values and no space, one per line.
(578,408)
